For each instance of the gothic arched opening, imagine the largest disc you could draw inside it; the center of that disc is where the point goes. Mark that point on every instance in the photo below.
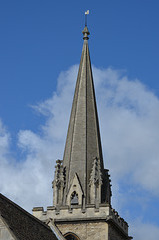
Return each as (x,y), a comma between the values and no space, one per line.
(74,198)
(71,236)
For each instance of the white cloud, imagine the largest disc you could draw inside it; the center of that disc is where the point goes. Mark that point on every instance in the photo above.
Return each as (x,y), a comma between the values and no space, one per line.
(128,113)
(144,231)
(28,182)
(4,140)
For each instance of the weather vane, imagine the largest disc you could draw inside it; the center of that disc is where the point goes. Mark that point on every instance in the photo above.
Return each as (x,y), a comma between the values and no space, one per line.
(86,13)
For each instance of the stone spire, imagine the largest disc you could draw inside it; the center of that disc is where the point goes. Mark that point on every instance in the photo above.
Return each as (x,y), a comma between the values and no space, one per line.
(83,143)
(82,191)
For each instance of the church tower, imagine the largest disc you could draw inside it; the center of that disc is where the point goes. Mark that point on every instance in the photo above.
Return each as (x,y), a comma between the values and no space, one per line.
(81,186)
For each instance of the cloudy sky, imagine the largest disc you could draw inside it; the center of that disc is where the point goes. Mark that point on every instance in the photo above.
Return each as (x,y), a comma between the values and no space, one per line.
(40,49)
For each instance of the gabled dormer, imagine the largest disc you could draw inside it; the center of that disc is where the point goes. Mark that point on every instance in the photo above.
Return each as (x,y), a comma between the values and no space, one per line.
(75,193)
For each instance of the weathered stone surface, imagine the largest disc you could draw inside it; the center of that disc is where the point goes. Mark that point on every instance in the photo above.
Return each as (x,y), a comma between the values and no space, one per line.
(81,175)
(89,231)
(115,235)
(83,143)
(4,232)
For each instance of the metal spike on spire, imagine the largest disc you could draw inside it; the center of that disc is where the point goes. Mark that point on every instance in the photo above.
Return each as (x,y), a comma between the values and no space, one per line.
(86,13)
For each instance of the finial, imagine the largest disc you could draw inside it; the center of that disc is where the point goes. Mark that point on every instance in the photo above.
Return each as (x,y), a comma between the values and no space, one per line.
(86,13)
(85,31)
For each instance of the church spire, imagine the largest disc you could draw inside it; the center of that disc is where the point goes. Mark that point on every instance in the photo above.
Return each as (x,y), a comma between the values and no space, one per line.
(83,152)
(82,191)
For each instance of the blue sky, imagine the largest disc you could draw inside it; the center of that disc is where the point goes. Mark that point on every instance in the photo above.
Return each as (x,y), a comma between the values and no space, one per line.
(40,45)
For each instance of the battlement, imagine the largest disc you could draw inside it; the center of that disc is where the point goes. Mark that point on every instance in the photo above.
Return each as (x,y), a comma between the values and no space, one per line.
(119,220)
(103,213)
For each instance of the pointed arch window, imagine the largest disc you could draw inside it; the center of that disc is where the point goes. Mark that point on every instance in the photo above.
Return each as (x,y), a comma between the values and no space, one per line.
(74,198)
(71,236)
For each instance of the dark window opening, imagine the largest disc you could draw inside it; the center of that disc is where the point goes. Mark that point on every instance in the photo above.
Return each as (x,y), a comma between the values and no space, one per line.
(71,237)
(74,198)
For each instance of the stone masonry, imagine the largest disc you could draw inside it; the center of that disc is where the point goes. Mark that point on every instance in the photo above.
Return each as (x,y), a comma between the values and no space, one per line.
(81,186)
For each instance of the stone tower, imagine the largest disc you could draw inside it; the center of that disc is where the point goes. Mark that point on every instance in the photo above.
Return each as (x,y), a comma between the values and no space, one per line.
(82,190)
